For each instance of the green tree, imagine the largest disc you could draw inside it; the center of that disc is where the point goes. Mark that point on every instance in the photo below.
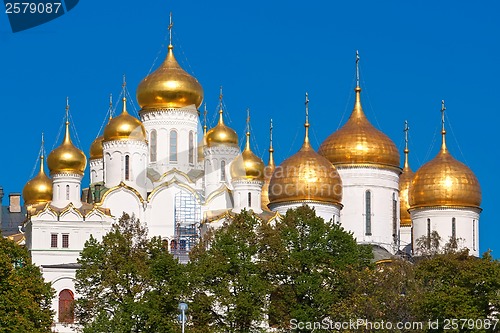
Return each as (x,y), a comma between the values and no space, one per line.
(306,260)
(25,299)
(229,292)
(457,285)
(128,282)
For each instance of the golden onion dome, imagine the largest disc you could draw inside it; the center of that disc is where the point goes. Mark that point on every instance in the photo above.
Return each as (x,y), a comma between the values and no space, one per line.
(405,180)
(67,158)
(96,151)
(247,166)
(221,135)
(39,189)
(268,173)
(306,176)
(124,127)
(444,182)
(169,86)
(359,142)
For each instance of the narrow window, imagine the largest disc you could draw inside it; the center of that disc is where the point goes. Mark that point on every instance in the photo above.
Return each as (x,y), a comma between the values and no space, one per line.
(66,306)
(65,241)
(127,167)
(223,170)
(67,192)
(453,229)
(191,147)
(173,146)
(152,146)
(249,199)
(474,235)
(368,213)
(428,233)
(394,218)
(53,240)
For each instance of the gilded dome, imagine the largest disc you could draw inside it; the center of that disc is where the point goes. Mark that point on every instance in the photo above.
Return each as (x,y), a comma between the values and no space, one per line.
(359,142)
(124,127)
(247,165)
(306,176)
(221,135)
(96,148)
(268,173)
(67,158)
(169,86)
(444,182)
(39,189)
(405,180)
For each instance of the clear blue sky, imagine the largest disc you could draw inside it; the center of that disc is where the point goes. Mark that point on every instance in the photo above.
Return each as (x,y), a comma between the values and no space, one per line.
(267,54)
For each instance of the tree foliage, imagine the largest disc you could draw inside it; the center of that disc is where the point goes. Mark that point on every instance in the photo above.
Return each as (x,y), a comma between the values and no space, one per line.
(128,282)
(25,299)
(229,291)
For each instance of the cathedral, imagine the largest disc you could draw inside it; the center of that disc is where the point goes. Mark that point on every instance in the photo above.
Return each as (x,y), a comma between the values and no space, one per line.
(181,181)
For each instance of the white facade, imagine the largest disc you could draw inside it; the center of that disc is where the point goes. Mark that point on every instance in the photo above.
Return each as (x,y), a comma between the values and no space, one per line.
(371,205)
(460,224)
(326,211)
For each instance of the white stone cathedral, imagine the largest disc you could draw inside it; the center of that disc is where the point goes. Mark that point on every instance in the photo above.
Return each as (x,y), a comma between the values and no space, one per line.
(179,186)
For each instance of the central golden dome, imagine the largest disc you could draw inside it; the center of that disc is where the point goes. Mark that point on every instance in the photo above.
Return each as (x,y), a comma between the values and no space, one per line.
(67,158)
(96,148)
(306,176)
(39,189)
(444,182)
(169,86)
(358,142)
(124,127)
(221,134)
(247,166)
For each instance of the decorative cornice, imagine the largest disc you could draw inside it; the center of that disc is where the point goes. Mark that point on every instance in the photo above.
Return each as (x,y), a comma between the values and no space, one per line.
(177,183)
(122,185)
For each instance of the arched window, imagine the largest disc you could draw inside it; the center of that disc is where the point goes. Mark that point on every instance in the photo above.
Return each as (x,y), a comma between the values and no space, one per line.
(223,170)
(191,147)
(153,140)
(127,167)
(453,229)
(394,218)
(173,146)
(67,192)
(66,306)
(368,213)
(249,199)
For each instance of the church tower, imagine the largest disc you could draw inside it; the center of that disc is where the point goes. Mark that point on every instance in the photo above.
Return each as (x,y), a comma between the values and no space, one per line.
(405,180)
(67,165)
(169,99)
(38,189)
(125,151)
(247,178)
(368,163)
(445,197)
(221,148)
(306,178)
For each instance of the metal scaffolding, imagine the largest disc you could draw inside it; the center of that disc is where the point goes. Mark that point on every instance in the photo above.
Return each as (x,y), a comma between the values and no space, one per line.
(187,222)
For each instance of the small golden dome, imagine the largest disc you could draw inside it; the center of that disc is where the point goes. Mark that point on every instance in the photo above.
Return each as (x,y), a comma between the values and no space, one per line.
(359,142)
(67,158)
(96,148)
(222,135)
(39,189)
(247,165)
(169,86)
(306,176)
(405,180)
(444,182)
(124,127)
